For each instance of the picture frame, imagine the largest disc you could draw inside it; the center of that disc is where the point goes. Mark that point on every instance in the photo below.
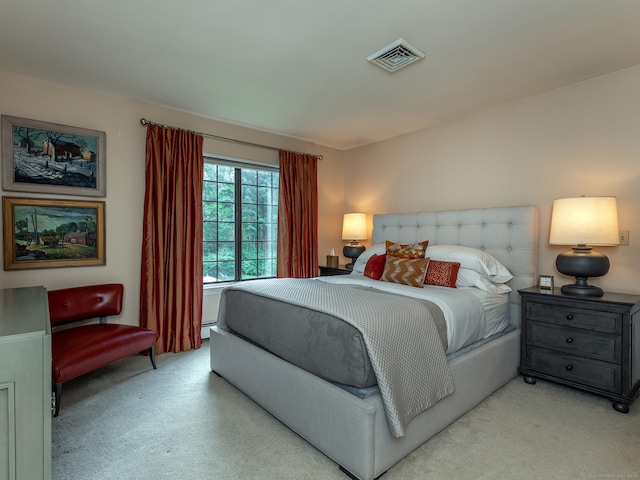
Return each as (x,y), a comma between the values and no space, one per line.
(43,157)
(545,282)
(49,233)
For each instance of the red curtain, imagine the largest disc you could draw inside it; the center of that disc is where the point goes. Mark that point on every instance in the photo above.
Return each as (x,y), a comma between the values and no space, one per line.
(298,216)
(171,273)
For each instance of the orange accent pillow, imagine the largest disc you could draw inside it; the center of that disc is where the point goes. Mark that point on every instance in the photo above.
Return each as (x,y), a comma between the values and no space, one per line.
(407,271)
(442,274)
(375,266)
(407,250)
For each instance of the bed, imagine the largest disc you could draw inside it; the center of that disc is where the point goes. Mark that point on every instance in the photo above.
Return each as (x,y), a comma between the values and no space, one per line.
(355,431)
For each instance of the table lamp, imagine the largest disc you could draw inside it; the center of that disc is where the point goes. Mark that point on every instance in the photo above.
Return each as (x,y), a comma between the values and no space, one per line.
(354,228)
(584,222)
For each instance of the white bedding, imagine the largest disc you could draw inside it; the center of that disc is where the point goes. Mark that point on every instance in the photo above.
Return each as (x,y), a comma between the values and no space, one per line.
(470,314)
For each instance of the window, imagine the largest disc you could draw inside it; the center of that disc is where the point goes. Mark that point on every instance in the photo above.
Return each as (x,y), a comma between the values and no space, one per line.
(240,213)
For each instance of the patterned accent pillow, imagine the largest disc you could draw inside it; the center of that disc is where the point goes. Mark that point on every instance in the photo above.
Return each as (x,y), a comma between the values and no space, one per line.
(375,266)
(407,271)
(407,250)
(442,274)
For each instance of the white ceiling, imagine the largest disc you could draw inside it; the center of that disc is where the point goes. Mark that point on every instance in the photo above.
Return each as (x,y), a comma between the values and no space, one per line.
(299,68)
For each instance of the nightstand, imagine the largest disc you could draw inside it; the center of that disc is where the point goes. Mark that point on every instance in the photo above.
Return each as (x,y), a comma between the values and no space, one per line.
(339,270)
(591,343)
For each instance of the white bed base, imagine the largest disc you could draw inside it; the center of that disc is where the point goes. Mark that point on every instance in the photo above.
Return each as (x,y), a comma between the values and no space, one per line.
(353,431)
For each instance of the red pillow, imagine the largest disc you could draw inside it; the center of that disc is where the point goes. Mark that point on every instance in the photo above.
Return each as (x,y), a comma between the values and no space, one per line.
(442,274)
(375,266)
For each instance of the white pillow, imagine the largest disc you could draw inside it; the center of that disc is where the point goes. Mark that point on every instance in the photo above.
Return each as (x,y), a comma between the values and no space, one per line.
(471,278)
(361,261)
(471,258)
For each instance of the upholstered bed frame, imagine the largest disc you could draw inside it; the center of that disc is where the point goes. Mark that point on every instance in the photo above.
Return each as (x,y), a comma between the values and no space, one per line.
(353,431)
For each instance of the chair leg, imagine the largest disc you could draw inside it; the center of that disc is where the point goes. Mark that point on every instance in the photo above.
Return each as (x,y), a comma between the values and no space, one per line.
(152,356)
(58,392)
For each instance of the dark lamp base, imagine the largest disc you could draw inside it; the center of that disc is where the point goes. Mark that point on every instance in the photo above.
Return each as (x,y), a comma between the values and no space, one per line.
(588,290)
(352,250)
(582,262)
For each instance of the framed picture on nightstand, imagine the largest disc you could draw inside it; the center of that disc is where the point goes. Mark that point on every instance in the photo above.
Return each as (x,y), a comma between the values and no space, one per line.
(545,282)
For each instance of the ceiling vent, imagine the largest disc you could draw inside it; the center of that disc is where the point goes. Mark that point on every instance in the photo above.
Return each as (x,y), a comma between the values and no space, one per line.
(396,56)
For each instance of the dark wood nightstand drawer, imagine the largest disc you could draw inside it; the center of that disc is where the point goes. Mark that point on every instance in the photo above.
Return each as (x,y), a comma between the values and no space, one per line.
(597,345)
(577,317)
(602,375)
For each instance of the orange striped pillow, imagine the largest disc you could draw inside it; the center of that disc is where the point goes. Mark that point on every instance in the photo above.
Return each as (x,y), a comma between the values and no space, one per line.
(407,250)
(406,271)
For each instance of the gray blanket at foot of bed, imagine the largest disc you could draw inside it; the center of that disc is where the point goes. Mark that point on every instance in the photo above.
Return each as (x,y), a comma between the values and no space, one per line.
(399,333)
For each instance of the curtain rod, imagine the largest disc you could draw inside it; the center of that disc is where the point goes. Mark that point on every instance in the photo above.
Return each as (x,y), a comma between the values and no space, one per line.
(145,122)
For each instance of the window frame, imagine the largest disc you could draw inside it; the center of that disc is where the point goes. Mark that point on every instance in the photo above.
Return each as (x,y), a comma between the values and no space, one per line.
(240,165)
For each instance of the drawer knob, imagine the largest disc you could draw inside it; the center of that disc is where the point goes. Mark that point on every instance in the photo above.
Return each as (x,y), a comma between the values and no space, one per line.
(569,340)
(570,316)
(569,367)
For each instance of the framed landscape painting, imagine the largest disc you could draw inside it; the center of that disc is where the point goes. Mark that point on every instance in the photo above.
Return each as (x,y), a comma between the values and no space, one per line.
(47,233)
(42,157)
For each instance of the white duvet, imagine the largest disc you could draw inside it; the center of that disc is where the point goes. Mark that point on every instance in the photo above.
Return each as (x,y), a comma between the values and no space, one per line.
(470,314)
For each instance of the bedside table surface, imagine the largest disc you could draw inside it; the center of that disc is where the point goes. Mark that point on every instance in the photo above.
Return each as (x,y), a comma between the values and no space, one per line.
(608,297)
(329,271)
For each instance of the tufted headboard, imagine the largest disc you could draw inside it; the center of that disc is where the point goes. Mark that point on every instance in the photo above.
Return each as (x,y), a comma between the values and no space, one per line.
(508,233)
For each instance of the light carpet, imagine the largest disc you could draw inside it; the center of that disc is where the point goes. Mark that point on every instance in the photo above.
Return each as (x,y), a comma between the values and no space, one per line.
(128,421)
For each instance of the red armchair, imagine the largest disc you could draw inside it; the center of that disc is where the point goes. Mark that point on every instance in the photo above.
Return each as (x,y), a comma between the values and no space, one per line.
(82,348)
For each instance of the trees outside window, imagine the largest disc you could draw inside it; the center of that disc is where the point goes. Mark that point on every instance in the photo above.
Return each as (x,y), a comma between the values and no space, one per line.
(240,214)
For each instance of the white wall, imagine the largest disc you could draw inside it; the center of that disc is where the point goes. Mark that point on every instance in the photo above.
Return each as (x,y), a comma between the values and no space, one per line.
(579,140)
(125,150)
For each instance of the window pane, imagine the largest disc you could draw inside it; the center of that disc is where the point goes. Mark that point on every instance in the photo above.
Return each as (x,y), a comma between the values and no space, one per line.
(265,213)
(265,250)
(249,177)
(209,191)
(210,251)
(226,232)
(226,250)
(262,232)
(266,268)
(249,194)
(249,231)
(209,211)
(226,271)
(249,212)
(226,212)
(249,269)
(210,272)
(264,195)
(226,192)
(210,172)
(226,174)
(210,231)
(265,178)
(249,250)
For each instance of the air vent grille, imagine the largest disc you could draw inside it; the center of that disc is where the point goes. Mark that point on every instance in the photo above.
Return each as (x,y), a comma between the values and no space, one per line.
(396,56)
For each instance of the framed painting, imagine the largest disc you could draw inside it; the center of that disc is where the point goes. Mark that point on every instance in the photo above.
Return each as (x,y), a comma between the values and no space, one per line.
(42,157)
(48,233)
